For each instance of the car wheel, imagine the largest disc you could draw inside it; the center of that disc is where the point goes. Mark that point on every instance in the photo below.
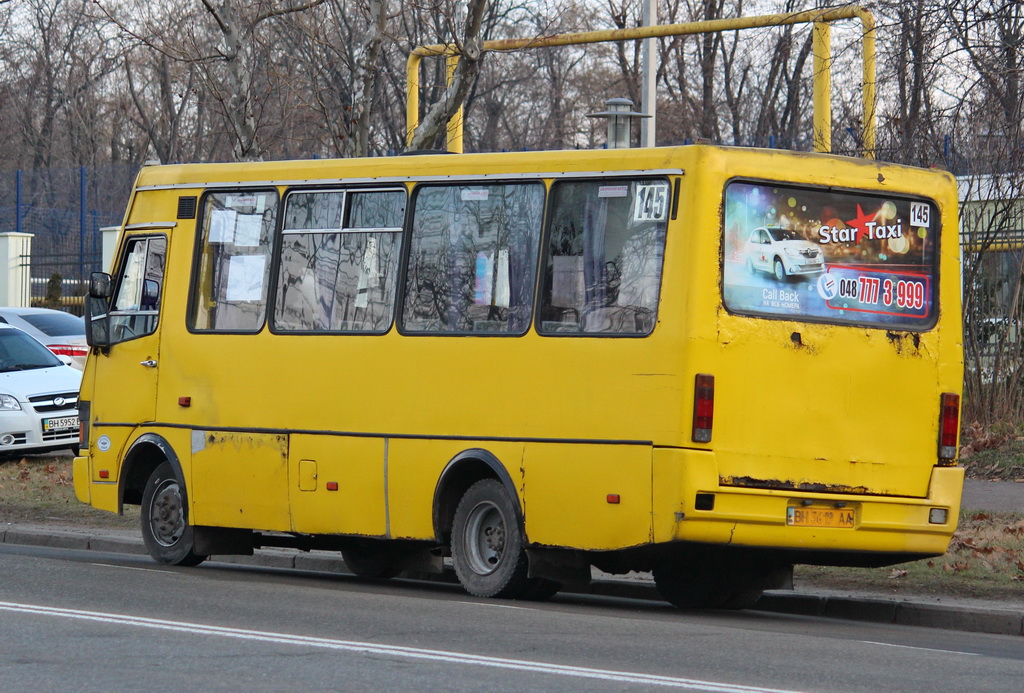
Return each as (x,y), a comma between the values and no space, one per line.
(165,528)
(780,270)
(750,266)
(487,545)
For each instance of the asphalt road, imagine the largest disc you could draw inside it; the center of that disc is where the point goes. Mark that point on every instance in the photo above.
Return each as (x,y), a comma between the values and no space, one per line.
(103,622)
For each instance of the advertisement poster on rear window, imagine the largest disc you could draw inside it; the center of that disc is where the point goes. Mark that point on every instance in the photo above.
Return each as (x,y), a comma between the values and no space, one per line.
(829,255)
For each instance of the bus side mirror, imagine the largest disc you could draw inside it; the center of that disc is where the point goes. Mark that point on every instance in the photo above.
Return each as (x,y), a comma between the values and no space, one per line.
(97,306)
(99,285)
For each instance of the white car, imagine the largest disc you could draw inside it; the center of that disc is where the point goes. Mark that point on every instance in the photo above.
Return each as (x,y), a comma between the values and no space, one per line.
(782,253)
(60,332)
(38,396)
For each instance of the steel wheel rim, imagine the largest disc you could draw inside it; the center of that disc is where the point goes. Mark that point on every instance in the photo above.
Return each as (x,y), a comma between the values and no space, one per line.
(485,538)
(166,515)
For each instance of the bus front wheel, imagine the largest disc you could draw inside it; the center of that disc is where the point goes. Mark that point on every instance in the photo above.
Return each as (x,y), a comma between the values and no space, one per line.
(165,530)
(487,545)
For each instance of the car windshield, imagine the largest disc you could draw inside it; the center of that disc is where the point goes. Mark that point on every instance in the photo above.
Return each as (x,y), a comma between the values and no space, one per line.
(56,324)
(785,235)
(19,352)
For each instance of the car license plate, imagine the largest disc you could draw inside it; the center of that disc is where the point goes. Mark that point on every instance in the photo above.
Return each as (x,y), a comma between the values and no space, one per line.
(820,517)
(62,423)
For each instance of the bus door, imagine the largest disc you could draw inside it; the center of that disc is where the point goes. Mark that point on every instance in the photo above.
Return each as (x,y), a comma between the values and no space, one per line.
(127,373)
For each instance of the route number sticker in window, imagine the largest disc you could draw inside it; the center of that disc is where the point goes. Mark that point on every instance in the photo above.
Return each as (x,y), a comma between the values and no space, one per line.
(651,203)
(920,213)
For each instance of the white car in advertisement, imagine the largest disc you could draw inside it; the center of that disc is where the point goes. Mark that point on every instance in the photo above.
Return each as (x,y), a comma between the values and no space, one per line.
(782,253)
(38,396)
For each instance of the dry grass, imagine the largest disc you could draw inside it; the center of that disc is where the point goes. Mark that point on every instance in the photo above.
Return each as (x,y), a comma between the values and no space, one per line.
(985,560)
(39,490)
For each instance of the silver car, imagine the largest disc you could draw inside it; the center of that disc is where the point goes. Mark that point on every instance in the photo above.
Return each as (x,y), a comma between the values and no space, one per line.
(38,396)
(60,332)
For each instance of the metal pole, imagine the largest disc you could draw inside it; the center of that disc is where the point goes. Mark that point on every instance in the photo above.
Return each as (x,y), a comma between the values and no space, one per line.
(81,223)
(17,201)
(648,100)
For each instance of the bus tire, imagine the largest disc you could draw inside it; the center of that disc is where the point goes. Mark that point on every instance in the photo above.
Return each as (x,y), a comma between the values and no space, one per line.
(780,270)
(487,545)
(165,529)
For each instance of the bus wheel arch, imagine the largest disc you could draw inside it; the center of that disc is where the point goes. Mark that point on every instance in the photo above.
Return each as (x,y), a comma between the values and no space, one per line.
(147,453)
(461,472)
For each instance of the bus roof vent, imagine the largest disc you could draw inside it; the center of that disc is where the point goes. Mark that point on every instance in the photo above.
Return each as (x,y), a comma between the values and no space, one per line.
(187,207)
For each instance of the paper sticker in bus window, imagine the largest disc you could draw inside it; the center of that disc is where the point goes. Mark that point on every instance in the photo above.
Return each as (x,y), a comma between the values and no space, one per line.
(222,225)
(831,255)
(613,191)
(475,194)
(651,203)
(247,229)
(245,278)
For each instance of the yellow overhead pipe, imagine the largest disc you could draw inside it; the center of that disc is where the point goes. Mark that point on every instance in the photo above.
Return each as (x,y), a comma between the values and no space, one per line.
(822,78)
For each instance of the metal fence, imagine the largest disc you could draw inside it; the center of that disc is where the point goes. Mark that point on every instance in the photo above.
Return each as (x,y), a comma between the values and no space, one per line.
(64,209)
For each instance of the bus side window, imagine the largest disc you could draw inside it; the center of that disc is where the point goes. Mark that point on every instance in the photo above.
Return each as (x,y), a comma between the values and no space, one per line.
(229,293)
(339,260)
(473,257)
(604,258)
(135,308)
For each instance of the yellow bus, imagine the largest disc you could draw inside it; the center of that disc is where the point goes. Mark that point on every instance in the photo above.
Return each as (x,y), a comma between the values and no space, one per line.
(706,362)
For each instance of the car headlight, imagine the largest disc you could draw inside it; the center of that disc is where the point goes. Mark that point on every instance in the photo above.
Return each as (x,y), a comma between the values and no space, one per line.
(792,252)
(9,403)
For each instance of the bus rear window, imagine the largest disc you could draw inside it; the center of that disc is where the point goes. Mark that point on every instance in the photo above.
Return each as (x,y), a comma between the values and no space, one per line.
(833,256)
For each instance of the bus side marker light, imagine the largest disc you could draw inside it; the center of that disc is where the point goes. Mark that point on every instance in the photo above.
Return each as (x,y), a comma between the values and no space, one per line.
(949,425)
(332,485)
(613,498)
(703,407)
(938,516)
(184,401)
(104,474)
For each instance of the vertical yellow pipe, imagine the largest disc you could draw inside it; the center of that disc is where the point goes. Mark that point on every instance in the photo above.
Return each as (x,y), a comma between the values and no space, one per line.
(455,124)
(412,95)
(868,87)
(822,49)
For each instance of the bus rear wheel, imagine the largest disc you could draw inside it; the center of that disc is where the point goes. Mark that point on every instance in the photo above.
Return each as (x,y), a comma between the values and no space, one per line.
(165,529)
(487,545)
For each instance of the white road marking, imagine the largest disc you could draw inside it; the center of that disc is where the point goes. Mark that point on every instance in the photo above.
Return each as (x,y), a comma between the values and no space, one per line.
(390,650)
(925,649)
(498,606)
(128,567)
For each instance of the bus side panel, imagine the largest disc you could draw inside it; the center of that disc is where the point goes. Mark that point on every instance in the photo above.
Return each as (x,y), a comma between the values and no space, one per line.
(413,470)
(591,497)
(240,480)
(356,504)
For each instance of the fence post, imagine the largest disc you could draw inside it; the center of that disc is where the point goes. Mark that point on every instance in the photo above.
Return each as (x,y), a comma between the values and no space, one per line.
(15,269)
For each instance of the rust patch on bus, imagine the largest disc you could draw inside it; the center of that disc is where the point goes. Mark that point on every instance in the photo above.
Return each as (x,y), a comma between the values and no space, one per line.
(904,340)
(779,485)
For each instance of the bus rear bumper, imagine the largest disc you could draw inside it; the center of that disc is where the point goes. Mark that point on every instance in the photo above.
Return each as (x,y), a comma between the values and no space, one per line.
(832,528)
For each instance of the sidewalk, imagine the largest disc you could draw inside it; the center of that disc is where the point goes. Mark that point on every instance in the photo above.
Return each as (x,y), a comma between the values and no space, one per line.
(974,615)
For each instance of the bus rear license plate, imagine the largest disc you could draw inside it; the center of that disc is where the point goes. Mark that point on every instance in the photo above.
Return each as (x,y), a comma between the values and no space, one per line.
(820,517)
(63,423)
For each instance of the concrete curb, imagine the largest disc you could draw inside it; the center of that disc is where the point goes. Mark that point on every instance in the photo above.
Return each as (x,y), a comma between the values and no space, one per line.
(1008,621)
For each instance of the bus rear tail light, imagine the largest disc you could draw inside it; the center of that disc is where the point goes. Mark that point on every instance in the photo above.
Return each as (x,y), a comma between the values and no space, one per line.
(703,407)
(949,427)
